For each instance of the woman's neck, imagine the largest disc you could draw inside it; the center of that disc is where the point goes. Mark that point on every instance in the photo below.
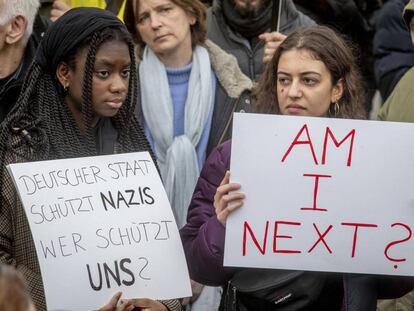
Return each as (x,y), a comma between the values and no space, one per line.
(176,60)
(78,116)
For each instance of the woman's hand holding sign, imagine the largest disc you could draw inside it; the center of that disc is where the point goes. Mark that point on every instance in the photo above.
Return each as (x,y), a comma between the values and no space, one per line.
(226,201)
(143,304)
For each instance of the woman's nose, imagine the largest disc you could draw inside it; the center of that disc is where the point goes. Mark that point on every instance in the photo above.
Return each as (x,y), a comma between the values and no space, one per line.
(155,21)
(295,89)
(119,84)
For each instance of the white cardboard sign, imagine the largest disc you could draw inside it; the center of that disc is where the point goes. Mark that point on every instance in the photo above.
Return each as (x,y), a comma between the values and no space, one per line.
(101,225)
(323,195)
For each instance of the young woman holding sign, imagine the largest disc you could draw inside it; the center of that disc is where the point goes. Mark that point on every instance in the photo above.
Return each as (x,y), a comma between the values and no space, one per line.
(312,73)
(77,100)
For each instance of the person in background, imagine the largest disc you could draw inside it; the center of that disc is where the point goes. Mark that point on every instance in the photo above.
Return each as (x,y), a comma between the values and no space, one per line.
(392,47)
(77,100)
(14,295)
(18,43)
(242,28)
(355,19)
(59,7)
(189,89)
(13,291)
(399,105)
(313,73)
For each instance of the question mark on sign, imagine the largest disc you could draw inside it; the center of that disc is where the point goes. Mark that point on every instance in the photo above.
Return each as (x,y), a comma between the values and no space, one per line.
(391,244)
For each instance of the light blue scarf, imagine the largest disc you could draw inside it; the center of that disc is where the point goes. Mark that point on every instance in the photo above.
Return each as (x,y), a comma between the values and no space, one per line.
(176,156)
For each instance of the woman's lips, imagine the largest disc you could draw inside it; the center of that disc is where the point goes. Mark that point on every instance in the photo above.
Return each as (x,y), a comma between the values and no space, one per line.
(160,37)
(295,109)
(116,104)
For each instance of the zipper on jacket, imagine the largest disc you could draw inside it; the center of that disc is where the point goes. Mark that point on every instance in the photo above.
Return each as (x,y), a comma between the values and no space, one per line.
(251,68)
(234,289)
(231,291)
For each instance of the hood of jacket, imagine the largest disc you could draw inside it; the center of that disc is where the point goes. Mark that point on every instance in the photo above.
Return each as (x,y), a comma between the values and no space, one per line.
(227,70)
(288,15)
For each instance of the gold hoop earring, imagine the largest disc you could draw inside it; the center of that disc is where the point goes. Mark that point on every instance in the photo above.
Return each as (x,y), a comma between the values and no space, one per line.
(335,109)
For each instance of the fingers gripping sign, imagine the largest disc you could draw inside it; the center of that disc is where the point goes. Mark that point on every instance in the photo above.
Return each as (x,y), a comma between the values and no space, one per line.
(114,305)
(227,199)
(144,304)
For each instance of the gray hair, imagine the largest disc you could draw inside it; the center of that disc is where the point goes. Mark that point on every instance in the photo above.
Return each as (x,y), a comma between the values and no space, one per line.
(12,8)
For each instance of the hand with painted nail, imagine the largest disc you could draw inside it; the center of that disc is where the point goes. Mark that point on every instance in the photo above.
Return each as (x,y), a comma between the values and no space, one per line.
(113,304)
(143,304)
(226,199)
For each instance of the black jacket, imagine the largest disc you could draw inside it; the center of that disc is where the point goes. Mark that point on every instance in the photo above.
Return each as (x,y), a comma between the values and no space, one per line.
(393,50)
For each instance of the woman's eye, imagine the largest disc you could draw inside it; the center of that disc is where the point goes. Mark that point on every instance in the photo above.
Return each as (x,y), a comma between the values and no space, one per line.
(142,19)
(125,73)
(309,81)
(103,74)
(166,10)
(283,81)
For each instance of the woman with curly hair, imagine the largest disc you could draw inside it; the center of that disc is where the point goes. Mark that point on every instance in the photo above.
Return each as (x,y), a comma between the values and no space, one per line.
(78,100)
(313,73)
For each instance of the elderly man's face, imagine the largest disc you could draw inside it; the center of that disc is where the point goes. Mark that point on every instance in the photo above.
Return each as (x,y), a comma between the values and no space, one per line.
(248,6)
(2,28)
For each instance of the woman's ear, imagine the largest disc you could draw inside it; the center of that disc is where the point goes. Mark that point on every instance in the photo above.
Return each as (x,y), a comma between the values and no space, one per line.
(191,18)
(63,75)
(337,91)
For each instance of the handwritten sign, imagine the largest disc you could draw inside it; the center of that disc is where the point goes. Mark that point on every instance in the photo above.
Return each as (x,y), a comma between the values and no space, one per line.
(323,195)
(101,225)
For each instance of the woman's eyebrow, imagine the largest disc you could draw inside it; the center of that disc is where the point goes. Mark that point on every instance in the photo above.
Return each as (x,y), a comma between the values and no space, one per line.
(310,72)
(302,73)
(108,62)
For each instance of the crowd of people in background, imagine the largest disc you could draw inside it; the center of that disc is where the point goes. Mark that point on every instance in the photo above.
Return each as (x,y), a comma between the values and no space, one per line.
(166,76)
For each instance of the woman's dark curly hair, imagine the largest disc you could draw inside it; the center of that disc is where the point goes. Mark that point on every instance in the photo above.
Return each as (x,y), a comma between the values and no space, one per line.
(51,130)
(327,46)
(41,126)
